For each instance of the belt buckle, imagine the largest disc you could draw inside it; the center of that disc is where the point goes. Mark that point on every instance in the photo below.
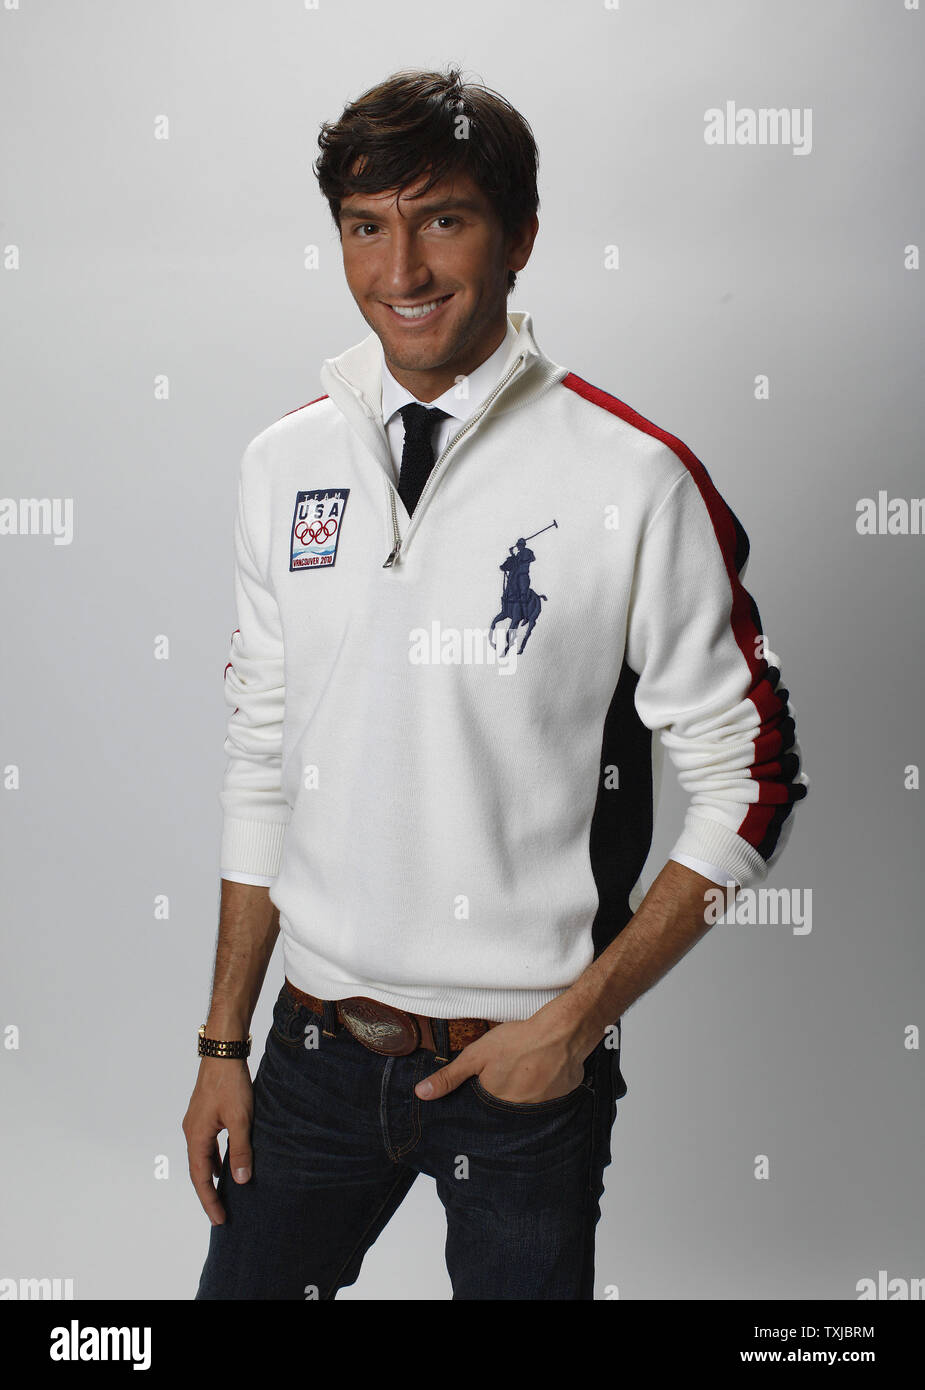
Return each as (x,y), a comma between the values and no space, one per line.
(380,1027)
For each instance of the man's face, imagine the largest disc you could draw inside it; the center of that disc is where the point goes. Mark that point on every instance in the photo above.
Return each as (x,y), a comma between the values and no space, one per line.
(445,255)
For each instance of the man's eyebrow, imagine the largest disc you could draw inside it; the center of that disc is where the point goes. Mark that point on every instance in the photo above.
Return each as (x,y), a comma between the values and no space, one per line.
(420,209)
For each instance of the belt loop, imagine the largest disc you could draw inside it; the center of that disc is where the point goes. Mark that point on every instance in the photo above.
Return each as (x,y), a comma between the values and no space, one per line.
(441,1034)
(329,1027)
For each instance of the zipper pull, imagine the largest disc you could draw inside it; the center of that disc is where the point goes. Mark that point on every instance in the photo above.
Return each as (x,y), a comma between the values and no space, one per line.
(393,556)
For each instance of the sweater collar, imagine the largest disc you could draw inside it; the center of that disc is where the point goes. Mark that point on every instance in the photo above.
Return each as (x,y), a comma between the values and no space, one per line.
(353,382)
(354,378)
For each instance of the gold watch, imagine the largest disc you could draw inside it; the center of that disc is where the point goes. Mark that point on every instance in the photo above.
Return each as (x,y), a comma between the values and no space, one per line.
(212,1047)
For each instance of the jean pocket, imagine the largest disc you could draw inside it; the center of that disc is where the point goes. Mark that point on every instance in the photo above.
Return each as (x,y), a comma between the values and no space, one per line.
(540,1107)
(290,1019)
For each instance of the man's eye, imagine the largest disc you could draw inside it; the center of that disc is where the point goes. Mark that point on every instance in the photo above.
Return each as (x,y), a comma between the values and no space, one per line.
(360,228)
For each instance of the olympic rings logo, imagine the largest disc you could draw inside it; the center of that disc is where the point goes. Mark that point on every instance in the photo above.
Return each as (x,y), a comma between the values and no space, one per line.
(312,532)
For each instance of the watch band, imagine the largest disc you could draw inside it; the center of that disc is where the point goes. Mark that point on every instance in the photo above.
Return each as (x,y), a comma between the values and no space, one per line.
(214,1047)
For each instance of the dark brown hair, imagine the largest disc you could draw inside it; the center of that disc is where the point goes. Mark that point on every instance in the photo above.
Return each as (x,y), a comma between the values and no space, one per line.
(407,127)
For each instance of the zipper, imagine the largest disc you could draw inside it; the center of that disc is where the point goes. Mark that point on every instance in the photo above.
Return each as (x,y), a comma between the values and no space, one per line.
(396,537)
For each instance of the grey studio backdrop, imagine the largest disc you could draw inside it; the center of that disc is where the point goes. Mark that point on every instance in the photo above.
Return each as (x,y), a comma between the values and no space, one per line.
(131,261)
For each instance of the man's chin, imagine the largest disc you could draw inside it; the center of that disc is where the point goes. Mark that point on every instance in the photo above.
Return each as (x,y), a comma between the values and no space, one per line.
(413,361)
(415,357)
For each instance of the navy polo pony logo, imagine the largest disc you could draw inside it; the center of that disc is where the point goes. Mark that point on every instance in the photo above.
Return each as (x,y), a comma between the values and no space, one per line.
(520,604)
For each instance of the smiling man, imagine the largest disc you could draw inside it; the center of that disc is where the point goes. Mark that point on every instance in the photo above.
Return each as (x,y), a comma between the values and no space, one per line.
(454,860)
(430,278)
(429,274)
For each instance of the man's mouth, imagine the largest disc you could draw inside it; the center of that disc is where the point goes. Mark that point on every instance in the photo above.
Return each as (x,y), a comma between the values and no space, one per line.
(419,311)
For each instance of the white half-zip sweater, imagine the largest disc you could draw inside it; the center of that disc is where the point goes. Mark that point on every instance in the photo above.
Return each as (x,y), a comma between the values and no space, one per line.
(457,406)
(441,748)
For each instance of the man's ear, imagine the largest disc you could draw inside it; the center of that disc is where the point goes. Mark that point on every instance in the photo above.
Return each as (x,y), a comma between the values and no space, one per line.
(520,245)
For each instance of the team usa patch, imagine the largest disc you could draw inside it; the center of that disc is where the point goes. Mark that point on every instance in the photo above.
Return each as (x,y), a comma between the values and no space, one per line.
(316,527)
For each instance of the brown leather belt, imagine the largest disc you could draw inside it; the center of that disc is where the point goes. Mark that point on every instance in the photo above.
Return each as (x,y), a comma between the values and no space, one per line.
(393,1032)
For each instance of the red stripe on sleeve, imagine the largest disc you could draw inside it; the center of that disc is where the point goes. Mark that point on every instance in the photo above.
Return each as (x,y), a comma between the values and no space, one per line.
(772,791)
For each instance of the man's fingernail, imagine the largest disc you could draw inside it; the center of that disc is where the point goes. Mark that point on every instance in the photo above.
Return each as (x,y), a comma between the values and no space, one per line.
(241,1174)
(424,1088)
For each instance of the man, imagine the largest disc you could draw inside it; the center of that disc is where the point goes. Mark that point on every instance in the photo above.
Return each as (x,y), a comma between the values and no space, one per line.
(448,826)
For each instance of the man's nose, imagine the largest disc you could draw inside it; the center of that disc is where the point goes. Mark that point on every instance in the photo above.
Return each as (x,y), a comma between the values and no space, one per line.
(406,269)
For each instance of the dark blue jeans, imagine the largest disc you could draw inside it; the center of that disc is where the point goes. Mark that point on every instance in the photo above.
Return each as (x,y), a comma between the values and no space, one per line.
(339,1137)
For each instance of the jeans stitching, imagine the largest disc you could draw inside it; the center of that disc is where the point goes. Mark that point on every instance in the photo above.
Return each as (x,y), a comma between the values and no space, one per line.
(415,1112)
(399,1178)
(278,1028)
(530,1107)
(527,1107)
(285,1037)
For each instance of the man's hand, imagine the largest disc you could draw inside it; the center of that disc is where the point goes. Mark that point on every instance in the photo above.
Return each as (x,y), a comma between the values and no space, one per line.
(543,1057)
(538,1059)
(222,1099)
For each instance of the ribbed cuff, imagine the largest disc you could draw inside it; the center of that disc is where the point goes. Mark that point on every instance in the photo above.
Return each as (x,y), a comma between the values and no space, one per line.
(253,846)
(703,838)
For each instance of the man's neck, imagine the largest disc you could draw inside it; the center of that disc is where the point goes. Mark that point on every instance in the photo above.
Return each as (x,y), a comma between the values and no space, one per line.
(427,385)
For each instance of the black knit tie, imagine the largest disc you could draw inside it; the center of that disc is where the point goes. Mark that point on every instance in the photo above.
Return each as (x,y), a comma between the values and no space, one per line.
(417,455)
